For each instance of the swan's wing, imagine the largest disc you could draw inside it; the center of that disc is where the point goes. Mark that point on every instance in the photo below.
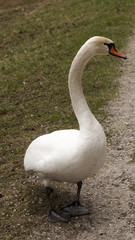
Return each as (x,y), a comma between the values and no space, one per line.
(49,151)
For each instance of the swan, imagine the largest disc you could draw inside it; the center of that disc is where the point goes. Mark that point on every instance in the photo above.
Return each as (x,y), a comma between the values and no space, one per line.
(72,155)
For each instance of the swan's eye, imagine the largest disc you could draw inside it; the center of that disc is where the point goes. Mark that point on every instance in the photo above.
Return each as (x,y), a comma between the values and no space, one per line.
(110,45)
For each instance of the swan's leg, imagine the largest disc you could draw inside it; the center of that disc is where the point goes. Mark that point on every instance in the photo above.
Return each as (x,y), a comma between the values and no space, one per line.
(76,208)
(54,216)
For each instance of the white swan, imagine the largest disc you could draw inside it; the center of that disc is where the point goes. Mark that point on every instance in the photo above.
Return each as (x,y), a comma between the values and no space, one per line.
(72,155)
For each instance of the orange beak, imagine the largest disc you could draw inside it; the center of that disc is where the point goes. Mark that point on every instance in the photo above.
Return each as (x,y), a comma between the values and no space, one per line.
(113,51)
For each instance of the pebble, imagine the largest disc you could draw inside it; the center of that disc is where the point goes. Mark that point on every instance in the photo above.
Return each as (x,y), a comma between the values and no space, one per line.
(101,232)
(130,204)
(120,148)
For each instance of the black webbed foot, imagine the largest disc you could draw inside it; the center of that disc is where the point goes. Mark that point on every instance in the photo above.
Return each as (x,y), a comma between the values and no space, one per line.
(75,209)
(54,216)
(71,210)
(58,216)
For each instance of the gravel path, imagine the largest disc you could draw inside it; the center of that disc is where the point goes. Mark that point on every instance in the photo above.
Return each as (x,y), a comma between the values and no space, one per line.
(110,195)
(114,207)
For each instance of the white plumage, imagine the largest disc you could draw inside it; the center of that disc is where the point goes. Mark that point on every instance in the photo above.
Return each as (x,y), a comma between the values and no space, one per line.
(68,159)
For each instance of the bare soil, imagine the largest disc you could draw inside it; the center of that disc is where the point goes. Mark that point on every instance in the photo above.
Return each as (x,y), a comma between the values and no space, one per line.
(110,195)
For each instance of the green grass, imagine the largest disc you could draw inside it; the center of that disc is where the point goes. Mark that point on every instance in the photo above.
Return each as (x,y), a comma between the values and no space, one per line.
(38,40)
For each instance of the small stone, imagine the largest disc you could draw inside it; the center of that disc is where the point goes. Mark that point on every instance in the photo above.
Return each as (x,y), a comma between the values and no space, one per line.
(130,204)
(119,148)
(1,195)
(116,184)
(100,232)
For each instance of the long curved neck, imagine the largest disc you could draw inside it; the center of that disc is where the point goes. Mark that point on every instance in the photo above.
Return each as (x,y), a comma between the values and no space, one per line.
(84,116)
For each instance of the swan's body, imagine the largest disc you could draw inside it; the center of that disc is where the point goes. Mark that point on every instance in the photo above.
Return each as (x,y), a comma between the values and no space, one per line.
(73,155)
(70,156)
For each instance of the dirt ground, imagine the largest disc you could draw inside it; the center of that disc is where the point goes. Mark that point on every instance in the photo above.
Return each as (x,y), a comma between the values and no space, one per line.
(109,195)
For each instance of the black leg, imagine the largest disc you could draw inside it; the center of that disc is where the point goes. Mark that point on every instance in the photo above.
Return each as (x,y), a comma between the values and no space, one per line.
(54,216)
(76,208)
(79,185)
(49,191)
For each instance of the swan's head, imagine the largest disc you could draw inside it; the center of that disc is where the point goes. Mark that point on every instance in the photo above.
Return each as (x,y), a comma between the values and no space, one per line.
(104,46)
